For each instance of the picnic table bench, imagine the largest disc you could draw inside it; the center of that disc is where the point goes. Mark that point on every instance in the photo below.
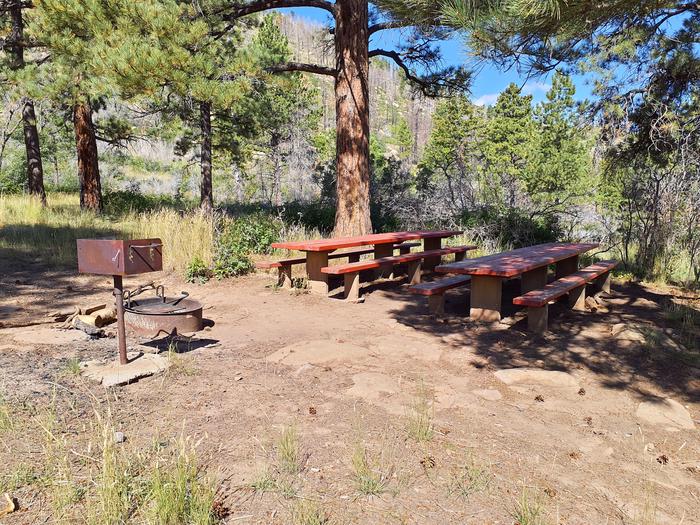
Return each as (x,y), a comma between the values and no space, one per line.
(319,251)
(530,264)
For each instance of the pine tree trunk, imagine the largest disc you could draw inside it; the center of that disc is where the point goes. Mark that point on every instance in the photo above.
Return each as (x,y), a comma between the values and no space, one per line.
(35,170)
(206,192)
(88,166)
(352,118)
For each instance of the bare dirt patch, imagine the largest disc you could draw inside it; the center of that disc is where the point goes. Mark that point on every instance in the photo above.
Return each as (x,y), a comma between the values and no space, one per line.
(567,434)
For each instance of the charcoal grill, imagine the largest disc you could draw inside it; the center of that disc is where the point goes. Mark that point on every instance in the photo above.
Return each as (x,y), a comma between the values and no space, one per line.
(119,258)
(152,316)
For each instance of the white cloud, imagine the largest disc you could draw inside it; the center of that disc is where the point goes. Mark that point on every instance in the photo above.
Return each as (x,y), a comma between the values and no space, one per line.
(532,87)
(486,100)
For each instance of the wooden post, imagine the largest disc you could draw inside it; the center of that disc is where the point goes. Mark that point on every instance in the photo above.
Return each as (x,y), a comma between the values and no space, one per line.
(284,276)
(533,280)
(414,272)
(436,304)
(352,286)
(485,298)
(577,298)
(433,243)
(318,281)
(566,266)
(537,319)
(384,250)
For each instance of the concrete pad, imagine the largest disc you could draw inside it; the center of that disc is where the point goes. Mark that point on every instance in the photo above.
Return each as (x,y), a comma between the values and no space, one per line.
(114,374)
(665,412)
(317,352)
(534,377)
(46,336)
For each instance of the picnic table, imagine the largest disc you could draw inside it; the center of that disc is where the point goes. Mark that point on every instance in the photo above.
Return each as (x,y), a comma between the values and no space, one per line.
(530,264)
(317,251)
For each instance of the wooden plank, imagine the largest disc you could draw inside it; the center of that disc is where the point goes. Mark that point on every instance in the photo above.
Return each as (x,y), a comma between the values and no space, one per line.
(396,259)
(558,288)
(517,262)
(324,245)
(441,286)
(266,265)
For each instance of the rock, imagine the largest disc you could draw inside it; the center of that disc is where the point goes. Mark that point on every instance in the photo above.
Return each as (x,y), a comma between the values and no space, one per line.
(119,437)
(114,374)
(306,367)
(316,352)
(489,394)
(627,333)
(534,377)
(665,412)
(46,336)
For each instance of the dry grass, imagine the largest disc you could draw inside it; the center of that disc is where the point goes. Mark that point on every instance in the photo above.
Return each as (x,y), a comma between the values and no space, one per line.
(469,478)
(308,512)
(529,509)
(288,451)
(29,231)
(420,415)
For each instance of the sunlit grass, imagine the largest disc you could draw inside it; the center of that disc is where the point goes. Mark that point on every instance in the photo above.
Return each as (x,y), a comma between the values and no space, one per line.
(48,234)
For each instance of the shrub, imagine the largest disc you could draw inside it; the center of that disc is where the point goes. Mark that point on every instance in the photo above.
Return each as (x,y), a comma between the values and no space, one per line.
(231,261)
(253,233)
(197,271)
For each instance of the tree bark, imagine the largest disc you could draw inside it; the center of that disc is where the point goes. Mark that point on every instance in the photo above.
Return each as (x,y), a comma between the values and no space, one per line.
(35,169)
(206,200)
(88,166)
(352,118)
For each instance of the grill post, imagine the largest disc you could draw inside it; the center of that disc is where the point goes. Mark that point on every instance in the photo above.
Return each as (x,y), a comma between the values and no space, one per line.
(121,330)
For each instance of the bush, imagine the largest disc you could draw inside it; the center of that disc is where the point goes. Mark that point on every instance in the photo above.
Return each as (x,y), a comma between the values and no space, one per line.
(251,234)
(513,228)
(122,202)
(197,271)
(231,261)
(13,176)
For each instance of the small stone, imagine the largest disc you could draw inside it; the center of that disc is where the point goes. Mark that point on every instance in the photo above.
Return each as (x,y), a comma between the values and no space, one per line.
(119,437)
(489,394)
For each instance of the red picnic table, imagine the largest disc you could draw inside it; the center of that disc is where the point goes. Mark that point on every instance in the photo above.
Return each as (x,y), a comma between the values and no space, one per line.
(317,250)
(489,272)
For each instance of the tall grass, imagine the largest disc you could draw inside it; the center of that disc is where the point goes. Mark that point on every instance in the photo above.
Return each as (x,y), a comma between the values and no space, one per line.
(29,231)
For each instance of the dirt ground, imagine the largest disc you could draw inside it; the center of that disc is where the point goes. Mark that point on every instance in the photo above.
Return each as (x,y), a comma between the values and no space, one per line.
(607,434)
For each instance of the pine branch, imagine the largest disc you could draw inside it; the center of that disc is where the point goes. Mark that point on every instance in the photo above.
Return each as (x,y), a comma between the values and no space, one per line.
(307,68)
(394,24)
(396,57)
(264,5)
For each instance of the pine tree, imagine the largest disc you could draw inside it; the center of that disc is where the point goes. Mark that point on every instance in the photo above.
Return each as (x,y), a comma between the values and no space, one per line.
(11,15)
(561,163)
(507,148)
(352,29)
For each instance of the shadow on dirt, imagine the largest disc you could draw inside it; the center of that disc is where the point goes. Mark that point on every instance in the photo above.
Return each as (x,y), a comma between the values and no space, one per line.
(654,365)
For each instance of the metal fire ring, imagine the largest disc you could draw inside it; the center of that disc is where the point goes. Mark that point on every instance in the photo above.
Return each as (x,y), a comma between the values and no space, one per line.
(153,316)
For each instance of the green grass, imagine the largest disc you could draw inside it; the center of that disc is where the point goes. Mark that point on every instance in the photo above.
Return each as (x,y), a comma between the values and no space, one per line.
(469,478)
(7,423)
(20,476)
(529,509)
(265,482)
(288,451)
(370,479)
(307,512)
(72,366)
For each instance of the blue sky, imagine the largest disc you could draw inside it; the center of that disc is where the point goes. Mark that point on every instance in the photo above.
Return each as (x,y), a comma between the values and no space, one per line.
(488,81)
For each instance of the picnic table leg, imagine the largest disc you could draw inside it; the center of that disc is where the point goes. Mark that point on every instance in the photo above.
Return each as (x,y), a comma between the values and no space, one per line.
(318,281)
(485,298)
(577,298)
(384,250)
(533,280)
(566,267)
(435,243)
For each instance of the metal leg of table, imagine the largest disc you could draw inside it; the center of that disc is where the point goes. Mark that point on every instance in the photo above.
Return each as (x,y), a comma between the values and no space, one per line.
(429,263)
(318,281)
(566,266)
(384,250)
(485,298)
(533,280)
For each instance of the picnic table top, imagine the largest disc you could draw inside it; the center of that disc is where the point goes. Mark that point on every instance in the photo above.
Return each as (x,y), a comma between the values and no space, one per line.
(329,245)
(516,262)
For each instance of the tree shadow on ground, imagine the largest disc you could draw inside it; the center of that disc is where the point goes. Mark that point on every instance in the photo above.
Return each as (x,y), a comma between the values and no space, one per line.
(651,367)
